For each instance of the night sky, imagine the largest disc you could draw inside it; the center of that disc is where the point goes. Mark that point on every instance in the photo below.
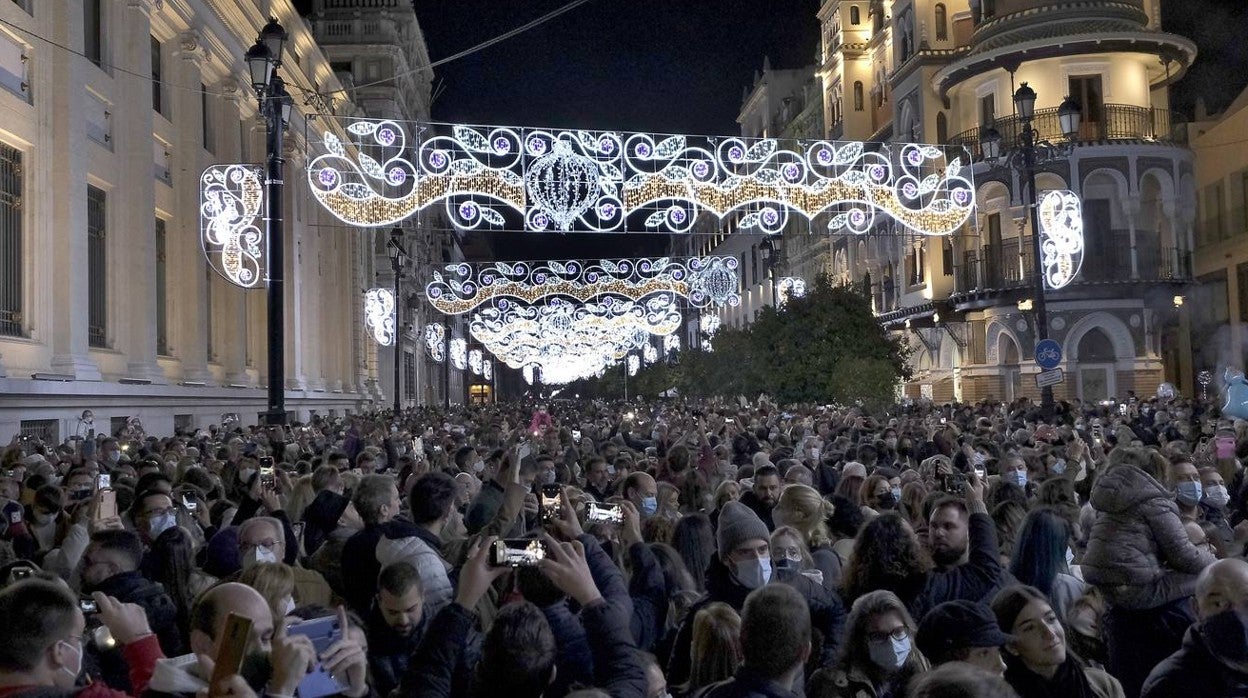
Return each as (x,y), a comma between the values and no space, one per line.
(681,65)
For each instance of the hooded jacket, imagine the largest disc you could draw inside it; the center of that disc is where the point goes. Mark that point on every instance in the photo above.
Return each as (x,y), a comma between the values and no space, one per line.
(1138,553)
(1195,665)
(420,548)
(162,616)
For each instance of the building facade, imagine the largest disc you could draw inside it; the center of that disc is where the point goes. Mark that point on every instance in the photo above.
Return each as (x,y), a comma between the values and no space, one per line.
(939,72)
(105,298)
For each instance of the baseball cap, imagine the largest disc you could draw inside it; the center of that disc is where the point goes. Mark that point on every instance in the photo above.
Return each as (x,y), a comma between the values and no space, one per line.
(958,624)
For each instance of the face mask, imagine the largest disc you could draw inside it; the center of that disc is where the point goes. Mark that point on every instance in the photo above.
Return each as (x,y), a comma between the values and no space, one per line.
(1188,493)
(115,457)
(478,467)
(649,505)
(76,669)
(753,573)
(1070,556)
(654,436)
(244,475)
(785,563)
(547,477)
(44,519)
(1059,466)
(896,494)
(887,500)
(160,524)
(257,555)
(890,654)
(1019,477)
(1217,496)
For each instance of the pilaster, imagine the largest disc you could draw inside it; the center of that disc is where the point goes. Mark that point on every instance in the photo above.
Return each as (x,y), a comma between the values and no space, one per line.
(188,163)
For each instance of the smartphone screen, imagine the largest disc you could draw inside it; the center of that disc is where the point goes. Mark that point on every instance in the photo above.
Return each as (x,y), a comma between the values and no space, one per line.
(103,481)
(598,512)
(268,478)
(551,501)
(516,552)
(576,434)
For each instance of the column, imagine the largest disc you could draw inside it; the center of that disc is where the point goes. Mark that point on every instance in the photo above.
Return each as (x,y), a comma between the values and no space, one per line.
(296,267)
(186,259)
(1131,209)
(133,244)
(232,346)
(64,223)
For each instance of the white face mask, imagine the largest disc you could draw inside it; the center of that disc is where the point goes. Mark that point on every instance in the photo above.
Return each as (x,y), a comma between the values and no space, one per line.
(75,671)
(244,475)
(753,573)
(160,524)
(891,654)
(1070,556)
(257,555)
(478,467)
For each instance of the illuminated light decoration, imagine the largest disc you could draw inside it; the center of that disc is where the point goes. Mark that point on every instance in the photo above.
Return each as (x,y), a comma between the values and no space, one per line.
(435,341)
(651,354)
(790,287)
(487,370)
(703,281)
(474,361)
(671,343)
(230,201)
(459,354)
(710,324)
(529,374)
(597,181)
(379,315)
(1061,237)
(634,364)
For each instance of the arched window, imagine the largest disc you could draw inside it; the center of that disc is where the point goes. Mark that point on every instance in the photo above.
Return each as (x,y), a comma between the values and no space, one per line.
(858,95)
(855,15)
(942,22)
(942,128)
(1095,347)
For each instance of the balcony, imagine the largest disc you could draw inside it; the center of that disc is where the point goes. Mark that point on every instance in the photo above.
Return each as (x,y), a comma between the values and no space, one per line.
(995,269)
(1116,122)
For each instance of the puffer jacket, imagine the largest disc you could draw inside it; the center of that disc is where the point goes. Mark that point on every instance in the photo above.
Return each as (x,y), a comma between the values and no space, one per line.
(422,552)
(1138,553)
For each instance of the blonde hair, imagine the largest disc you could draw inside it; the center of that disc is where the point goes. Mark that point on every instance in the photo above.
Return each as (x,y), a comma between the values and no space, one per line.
(807,512)
(274,580)
(715,652)
(301,495)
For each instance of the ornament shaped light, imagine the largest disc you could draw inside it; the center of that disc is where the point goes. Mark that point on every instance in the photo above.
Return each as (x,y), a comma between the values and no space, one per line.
(790,287)
(474,361)
(599,181)
(703,281)
(487,370)
(435,341)
(1061,237)
(459,354)
(651,354)
(634,364)
(671,343)
(231,199)
(379,315)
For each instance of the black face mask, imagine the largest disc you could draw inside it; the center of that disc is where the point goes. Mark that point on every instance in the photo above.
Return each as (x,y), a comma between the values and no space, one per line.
(886,501)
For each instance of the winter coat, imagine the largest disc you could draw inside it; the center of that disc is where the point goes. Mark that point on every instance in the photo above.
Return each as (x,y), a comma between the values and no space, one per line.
(853,682)
(140,656)
(977,580)
(745,684)
(649,594)
(389,652)
(422,551)
(1194,665)
(162,617)
(827,614)
(764,512)
(1138,553)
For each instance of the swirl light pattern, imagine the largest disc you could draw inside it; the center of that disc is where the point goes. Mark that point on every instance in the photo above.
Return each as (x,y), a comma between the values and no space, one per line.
(379,315)
(601,181)
(474,361)
(650,353)
(487,370)
(634,364)
(1061,237)
(790,287)
(530,373)
(230,201)
(459,354)
(671,343)
(703,281)
(435,341)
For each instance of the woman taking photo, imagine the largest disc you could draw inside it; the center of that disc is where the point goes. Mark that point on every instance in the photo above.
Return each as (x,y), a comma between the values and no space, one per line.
(1037,664)
(878,657)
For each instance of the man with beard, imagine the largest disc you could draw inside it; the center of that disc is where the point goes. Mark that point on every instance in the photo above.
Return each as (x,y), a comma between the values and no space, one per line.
(963,542)
(395,625)
(764,494)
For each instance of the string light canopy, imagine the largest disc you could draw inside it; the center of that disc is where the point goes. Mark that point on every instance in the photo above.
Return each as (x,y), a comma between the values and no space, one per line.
(790,287)
(530,373)
(650,353)
(703,281)
(459,354)
(1061,237)
(634,364)
(230,201)
(435,341)
(379,315)
(535,180)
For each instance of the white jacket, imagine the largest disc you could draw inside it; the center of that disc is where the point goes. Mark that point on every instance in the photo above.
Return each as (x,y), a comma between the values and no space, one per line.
(428,563)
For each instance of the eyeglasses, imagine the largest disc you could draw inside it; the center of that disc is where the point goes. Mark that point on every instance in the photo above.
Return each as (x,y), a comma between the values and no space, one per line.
(268,543)
(153,513)
(898,634)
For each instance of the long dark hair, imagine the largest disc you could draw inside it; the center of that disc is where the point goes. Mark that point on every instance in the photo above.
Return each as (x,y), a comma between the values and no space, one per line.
(170,562)
(694,539)
(1040,549)
(887,555)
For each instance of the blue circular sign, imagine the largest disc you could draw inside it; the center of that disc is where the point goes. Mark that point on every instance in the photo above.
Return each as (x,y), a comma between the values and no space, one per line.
(1048,354)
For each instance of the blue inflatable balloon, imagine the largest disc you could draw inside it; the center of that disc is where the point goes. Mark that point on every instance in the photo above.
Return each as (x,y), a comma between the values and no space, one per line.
(1236,404)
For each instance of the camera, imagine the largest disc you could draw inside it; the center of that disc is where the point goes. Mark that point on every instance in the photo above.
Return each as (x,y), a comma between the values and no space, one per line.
(517,552)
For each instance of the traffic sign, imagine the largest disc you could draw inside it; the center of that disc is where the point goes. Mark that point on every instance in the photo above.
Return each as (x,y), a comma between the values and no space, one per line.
(1051,377)
(1048,354)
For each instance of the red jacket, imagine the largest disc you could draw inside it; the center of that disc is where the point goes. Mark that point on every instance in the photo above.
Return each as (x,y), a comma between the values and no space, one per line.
(141,656)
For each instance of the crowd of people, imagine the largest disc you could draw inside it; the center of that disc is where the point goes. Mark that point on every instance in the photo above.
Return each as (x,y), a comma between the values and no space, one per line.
(639,550)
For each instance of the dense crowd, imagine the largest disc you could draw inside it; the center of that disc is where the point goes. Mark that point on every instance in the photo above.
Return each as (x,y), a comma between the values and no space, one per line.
(638,550)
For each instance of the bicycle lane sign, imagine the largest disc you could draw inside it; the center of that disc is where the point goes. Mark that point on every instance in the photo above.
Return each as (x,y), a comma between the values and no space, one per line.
(1048,354)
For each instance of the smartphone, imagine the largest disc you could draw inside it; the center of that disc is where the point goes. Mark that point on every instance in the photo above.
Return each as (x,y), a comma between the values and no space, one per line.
(516,552)
(21,573)
(297,527)
(1122,409)
(944,420)
(323,632)
(523,451)
(231,648)
(87,605)
(190,504)
(576,434)
(602,512)
(108,505)
(550,499)
(268,478)
(103,481)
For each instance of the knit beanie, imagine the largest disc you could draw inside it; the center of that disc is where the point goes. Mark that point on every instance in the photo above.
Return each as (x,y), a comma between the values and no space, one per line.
(737,524)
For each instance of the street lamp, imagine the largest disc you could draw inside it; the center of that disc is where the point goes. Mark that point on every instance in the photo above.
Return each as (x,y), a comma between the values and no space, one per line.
(1029,151)
(398,257)
(263,59)
(767,250)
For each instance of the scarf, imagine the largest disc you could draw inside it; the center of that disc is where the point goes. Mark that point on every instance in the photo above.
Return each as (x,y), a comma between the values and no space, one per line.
(1068,682)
